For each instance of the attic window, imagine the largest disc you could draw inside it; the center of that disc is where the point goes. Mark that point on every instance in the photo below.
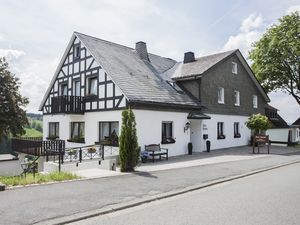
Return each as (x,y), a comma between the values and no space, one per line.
(76,51)
(175,86)
(234,68)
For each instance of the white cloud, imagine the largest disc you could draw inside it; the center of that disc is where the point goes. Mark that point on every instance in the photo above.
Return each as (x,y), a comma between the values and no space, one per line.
(250,31)
(11,54)
(293,8)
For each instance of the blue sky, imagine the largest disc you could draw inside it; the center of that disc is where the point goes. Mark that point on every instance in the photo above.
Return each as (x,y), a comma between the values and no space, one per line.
(34,34)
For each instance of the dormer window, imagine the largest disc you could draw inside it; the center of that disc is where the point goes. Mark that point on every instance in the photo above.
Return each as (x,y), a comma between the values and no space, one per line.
(76,51)
(234,68)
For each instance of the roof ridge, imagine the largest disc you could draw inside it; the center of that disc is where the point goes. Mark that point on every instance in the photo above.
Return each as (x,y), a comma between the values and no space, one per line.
(218,53)
(120,45)
(99,39)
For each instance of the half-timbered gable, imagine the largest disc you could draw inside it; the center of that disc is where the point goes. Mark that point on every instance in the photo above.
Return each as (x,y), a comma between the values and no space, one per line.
(82,85)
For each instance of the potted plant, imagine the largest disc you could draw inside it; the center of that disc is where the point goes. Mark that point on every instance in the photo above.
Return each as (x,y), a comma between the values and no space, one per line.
(92,150)
(190,148)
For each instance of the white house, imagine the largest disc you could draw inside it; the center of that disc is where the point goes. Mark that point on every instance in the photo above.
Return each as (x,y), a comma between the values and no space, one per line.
(198,99)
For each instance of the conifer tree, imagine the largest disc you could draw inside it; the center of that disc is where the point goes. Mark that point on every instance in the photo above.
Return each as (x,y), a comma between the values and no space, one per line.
(129,149)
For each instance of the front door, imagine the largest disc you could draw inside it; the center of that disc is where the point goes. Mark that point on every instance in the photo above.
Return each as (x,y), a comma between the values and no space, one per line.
(196,135)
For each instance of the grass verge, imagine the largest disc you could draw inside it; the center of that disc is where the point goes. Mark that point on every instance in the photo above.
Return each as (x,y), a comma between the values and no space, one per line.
(38,179)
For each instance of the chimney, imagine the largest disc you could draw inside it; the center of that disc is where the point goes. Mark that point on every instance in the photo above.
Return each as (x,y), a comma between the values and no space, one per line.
(189,57)
(141,50)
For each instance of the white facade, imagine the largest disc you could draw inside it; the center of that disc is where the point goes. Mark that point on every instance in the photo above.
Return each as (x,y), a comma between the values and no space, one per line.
(278,134)
(209,127)
(149,129)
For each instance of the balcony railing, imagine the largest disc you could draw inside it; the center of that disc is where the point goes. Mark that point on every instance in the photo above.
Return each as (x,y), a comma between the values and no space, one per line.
(37,147)
(68,104)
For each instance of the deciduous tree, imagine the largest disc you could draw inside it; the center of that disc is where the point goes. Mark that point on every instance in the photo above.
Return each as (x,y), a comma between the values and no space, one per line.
(276,56)
(12,114)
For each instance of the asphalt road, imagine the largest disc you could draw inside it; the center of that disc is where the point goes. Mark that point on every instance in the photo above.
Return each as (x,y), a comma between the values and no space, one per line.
(268,198)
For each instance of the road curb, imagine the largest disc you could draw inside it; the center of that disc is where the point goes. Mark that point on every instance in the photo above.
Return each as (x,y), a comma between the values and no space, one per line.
(137,202)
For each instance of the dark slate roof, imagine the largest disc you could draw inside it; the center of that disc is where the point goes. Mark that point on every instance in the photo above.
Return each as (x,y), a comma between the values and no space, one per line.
(279,122)
(297,122)
(139,80)
(200,65)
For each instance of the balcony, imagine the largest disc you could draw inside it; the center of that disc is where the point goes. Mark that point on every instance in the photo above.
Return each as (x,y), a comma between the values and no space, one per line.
(68,104)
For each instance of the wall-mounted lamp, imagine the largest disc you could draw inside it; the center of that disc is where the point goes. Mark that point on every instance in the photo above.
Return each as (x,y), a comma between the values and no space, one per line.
(187,126)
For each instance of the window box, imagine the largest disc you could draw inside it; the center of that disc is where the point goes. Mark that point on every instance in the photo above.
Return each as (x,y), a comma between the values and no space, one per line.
(76,140)
(221,137)
(168,141)
(237,135)
(52,138)
(91,97)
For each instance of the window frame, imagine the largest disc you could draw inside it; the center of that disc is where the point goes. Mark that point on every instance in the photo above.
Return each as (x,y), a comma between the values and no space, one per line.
(62,89)
(220,130)
(255,101)
(56,130)
(222,100)
(77,139)
(234,68)
(74,87)
(237,97)
(236,130)
(90,86)
(109,132)
(76,49)
(170,139)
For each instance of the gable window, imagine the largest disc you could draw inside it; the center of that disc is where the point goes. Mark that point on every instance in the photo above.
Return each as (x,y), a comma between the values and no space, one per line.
(109,133)
(92,86)
(236,127)
(220,130)
(234,68)
(63,89)
(220,95)
(76,88)
(254,100)
(76,51)
(53,132)
(236,98)
(77,132)
(167,132)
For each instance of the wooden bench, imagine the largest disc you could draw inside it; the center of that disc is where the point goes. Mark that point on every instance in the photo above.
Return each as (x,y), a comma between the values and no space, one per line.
(156,150)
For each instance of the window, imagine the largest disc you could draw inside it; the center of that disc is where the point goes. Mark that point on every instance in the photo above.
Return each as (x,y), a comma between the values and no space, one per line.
(92,88)
(76,51)
(77,132)
(167,133)
(236,127)
(76,88)
(53,130)
(63,89)
(220,130)
(254,99)
(221,95)
(236,98)
(109,133)
(234,68)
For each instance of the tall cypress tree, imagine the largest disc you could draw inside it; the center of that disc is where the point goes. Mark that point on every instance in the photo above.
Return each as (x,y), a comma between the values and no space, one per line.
(129,149)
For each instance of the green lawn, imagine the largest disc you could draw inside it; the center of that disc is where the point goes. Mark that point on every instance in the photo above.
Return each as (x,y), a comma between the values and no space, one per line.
(39,178)
(30,132)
